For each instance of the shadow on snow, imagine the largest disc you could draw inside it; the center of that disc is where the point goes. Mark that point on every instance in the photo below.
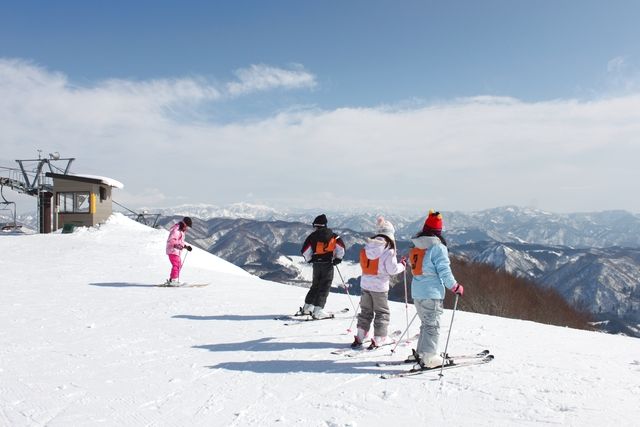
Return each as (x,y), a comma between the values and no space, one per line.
(339,365)
(227,317)
(293,366)
(124,285)
(266,344)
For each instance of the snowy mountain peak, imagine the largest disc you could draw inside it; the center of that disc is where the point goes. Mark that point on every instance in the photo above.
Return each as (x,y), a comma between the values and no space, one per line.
(206,211)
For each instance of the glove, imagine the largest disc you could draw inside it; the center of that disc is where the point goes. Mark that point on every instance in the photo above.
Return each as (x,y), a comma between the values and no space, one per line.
(403,261)
(187,247)
(336,261)
(457,289)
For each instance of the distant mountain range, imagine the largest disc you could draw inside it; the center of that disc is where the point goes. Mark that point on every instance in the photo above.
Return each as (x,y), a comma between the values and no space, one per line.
(504,224)
(518,225)
(352,220)
(604,281)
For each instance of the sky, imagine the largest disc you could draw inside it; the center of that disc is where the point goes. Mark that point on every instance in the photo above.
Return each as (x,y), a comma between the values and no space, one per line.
(459,105)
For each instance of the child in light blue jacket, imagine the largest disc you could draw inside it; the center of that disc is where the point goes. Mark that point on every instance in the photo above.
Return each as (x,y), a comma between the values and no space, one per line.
(431,275)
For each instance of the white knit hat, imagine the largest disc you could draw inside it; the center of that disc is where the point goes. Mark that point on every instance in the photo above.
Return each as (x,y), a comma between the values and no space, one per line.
(385,227)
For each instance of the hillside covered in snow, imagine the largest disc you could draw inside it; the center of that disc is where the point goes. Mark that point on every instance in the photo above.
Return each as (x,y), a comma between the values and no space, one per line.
(86,338)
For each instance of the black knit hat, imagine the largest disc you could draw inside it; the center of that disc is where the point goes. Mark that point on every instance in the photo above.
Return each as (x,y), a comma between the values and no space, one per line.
(187,221)
(320,221)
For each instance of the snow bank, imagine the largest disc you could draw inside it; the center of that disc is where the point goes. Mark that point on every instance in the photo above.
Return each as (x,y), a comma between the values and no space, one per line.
(87,339)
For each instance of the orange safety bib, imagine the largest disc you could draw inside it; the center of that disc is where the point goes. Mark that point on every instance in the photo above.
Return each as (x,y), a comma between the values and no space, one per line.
(325,247)
(416,256)
(369,266)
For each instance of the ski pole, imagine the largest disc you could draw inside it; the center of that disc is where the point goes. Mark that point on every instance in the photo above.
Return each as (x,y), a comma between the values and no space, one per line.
(455,305)
(353,319)
(182,264)
(355,312)
(345,288)
(404,333)
(406,300)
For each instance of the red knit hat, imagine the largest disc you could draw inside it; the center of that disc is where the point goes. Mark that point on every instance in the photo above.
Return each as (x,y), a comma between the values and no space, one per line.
(433,222)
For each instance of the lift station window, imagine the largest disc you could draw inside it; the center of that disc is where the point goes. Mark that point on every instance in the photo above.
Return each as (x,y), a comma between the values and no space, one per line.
(82,202)
(69,202)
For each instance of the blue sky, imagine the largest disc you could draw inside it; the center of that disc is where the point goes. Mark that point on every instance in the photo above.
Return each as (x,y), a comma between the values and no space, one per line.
(446,82)
(363,52)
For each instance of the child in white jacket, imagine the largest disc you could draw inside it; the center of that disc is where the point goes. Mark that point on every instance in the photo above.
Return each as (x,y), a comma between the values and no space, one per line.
(378,263)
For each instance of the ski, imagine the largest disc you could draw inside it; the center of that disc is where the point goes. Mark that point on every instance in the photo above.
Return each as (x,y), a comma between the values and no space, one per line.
(364,350)
(480,355)
(290,316)
(304,317)
(349,349)
(365,345)
(184,285)
(413,372)
(300,321)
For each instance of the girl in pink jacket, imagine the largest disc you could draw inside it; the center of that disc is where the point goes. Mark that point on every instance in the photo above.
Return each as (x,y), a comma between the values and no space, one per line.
(378,262)
(175,245)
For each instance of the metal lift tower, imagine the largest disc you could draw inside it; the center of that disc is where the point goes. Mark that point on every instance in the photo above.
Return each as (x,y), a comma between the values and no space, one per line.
(30,179)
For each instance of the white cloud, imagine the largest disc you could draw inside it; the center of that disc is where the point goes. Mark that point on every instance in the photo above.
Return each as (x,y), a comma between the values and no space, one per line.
(464,154)
(622,76)
(144,197)
(263,77)
(616,64)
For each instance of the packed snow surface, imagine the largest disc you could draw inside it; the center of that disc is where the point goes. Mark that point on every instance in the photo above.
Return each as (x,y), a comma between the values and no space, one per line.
(86,339)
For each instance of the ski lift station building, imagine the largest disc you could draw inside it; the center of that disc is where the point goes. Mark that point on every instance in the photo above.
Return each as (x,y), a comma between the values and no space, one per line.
(78,200)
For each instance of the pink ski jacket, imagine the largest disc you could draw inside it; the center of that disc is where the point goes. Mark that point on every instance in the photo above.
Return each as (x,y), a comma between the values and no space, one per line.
(175,242)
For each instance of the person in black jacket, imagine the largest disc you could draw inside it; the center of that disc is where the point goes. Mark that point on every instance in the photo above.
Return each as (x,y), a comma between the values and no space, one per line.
(324,249)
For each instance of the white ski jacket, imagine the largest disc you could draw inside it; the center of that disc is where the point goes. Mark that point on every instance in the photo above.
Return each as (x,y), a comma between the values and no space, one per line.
(387,265)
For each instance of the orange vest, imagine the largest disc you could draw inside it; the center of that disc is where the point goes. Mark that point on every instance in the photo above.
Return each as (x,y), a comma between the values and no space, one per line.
(416,256)
(325,247)
(369,266)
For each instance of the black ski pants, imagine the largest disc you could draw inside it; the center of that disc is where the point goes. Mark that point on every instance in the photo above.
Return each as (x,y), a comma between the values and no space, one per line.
(321,284)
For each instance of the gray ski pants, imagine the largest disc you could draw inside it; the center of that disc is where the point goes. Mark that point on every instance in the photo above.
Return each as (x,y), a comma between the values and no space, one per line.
(429,312)
(374,304)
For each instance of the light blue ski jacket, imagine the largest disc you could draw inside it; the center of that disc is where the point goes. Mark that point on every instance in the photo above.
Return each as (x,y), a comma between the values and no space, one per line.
(436,270)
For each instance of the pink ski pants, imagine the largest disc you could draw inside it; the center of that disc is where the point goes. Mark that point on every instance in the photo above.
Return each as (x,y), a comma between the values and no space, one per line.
(176,265)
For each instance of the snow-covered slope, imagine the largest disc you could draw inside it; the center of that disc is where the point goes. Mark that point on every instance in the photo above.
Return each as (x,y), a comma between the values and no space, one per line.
(86,339)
